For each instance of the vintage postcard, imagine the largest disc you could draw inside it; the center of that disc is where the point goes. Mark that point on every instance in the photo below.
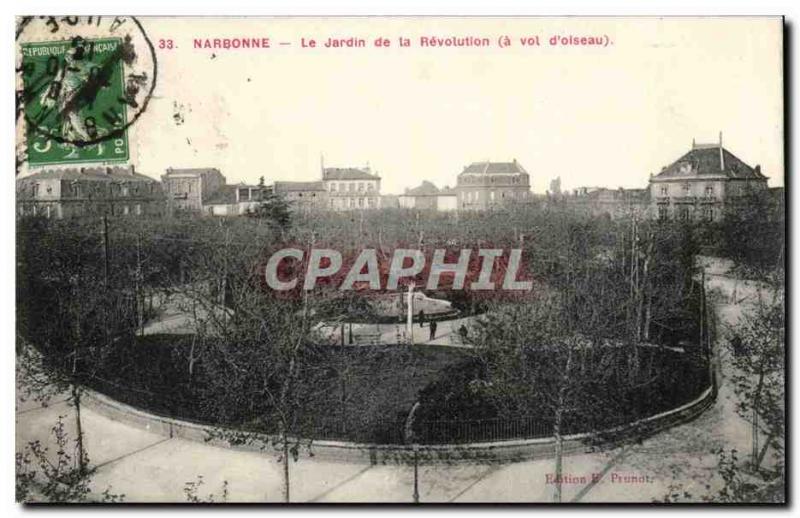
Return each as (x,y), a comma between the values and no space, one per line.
(400,259)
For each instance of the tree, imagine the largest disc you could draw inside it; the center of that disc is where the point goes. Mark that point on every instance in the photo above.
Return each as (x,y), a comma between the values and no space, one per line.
(58,476)
(258,370)
(273,208)
(759,376)
(534,366)
(753,233)
(68,318)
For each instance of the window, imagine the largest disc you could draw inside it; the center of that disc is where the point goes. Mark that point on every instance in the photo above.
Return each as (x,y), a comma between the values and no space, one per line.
(361,202)
(360,186)
(125,210)
(709,190)
(35,192)
(370,186)
(686,188)
(491,195)
(664,190)
(333,187)
(683,213)
(138,209)
(341,187)
(662,212)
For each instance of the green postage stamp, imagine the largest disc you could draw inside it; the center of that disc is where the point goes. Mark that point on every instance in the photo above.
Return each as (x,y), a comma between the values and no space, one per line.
(73,107)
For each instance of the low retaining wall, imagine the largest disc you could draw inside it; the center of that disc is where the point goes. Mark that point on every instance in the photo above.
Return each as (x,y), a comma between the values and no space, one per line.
(513,450)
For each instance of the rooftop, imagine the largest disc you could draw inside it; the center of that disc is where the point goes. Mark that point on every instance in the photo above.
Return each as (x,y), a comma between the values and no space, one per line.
(107,174)
(348,173)
(708,160)
(191,171)
(298,186)
(488,168)
(225,195)
(426,188)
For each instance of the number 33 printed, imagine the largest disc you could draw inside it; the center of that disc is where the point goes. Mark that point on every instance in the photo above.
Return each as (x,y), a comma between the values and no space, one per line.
(166,44)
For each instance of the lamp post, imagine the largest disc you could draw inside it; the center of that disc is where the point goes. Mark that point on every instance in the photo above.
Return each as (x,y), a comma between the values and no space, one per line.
(410,314)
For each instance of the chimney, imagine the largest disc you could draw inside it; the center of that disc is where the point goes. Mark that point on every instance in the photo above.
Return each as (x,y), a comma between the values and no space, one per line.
(133,170)
(693,143)
(721,156)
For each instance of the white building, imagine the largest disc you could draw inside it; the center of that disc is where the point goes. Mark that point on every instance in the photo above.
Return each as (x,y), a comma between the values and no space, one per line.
(351,188)
(427,196)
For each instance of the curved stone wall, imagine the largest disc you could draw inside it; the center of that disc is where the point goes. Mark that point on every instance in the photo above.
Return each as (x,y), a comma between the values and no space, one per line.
(513,450)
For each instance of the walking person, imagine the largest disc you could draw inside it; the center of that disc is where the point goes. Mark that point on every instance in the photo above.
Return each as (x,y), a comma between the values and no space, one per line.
(432,325)
(462,331)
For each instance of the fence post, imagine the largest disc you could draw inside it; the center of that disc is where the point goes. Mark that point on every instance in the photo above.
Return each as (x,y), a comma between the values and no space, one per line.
(416,473)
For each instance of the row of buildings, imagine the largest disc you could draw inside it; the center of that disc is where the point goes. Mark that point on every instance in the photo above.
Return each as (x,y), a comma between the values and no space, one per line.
(121,190)
(700,185)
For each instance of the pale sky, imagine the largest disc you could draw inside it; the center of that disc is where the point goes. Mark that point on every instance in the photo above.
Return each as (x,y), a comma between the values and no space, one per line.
(593,116)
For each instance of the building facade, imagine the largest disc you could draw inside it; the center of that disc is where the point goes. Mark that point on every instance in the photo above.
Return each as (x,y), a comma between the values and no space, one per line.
(488,185)
(189,189)
(447,199)
(352,188)
(390,201)
(233,200)
(427,196)
(302,195)
(704,183)
(603,202)
(89,191)
(421,197)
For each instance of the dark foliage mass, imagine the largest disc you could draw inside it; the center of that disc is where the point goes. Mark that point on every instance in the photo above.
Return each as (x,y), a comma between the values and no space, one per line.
(608,294)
